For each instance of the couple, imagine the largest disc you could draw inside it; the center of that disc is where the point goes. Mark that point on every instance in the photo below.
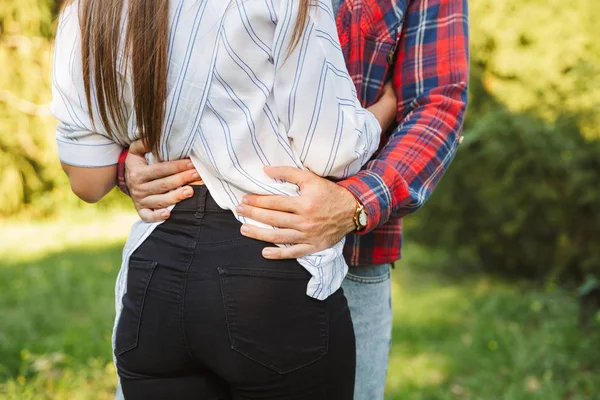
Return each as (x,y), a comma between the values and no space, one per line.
(207,306)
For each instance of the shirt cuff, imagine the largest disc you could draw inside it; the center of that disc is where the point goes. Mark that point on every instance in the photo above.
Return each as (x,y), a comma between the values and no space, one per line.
(372,192)
(90,155)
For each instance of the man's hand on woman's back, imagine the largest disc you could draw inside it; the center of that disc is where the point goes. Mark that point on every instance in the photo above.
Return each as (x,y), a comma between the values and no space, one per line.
(155,187)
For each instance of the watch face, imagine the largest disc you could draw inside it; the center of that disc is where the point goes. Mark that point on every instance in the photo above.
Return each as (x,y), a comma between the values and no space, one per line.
(362,218)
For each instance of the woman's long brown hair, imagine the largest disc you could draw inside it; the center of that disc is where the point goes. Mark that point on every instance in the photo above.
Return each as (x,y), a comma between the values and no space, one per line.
(146,47)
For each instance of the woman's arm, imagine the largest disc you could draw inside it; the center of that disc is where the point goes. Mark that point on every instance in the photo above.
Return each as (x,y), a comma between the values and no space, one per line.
(316,100)
(386,108)
(87,152)
(91,184)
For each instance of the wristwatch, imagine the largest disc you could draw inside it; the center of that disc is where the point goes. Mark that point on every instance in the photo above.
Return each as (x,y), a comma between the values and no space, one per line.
(361,219)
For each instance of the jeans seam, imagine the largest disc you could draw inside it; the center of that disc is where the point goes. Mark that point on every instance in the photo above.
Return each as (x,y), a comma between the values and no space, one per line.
(220,242)
(368,279)
(182,306)
(261,273)
(143,290)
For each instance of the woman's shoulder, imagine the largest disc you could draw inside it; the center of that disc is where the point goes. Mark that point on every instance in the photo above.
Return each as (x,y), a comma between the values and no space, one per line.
(68,17)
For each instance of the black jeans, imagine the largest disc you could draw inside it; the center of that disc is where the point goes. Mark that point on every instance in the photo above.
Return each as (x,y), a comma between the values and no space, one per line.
(207,317)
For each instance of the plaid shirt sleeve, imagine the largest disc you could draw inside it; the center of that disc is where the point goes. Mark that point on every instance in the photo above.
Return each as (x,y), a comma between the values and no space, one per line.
(431,78)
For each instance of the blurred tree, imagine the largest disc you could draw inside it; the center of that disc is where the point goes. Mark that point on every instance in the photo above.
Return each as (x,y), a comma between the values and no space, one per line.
(522,196)
(540,56)
(31,177)
(27,157)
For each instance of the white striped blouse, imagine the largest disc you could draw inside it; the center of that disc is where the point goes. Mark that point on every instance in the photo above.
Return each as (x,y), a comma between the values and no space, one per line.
(237,101)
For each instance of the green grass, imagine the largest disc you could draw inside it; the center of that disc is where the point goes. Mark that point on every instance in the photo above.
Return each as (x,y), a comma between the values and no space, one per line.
(471,338)
(57,306)
(481,338)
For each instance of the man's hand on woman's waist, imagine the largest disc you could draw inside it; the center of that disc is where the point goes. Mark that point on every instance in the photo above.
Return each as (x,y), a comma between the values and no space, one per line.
(320,217)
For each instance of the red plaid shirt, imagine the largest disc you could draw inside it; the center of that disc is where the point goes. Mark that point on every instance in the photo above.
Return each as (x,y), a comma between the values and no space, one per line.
(424,45)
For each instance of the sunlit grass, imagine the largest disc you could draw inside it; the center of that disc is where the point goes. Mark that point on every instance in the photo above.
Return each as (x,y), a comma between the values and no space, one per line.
(94,380)
(470,338)
(28,240)
(482,338)
(57,305)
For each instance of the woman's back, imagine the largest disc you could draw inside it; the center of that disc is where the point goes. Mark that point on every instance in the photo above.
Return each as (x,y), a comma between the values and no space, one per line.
(239,96)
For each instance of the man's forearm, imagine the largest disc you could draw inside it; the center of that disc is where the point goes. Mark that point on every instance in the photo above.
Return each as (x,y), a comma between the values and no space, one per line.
(431,83)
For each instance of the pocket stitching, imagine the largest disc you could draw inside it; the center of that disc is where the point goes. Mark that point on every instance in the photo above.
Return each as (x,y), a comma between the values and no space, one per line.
(368,279)
(261,272)
(284,371)
(391,36)
(142,294)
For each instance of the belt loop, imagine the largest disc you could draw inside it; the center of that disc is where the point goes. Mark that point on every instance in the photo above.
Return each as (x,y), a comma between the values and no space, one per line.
(201,205)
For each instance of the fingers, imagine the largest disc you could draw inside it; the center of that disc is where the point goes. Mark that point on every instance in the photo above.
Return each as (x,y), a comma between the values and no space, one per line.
(281,253)
(278,203)
(289,174)
(270,217)
(165,185)
(138,148)
(277,236)
(168,168)
(148,215)
(161,201)
(135,163)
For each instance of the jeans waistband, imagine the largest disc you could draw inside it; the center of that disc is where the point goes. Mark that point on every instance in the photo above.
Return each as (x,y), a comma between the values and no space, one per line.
(201,202)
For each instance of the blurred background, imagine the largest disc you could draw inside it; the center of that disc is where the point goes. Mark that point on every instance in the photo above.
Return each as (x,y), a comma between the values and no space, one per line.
(498,294)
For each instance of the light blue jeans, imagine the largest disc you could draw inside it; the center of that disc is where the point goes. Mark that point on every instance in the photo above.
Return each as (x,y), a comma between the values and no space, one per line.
(368,290)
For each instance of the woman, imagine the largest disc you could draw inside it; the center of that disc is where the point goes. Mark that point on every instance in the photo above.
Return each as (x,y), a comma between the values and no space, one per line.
(234,85)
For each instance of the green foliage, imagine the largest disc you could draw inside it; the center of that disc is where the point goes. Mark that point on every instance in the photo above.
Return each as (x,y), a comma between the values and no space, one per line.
(27,155)
(31,178)
(522,197)
(540,56)
(27,17)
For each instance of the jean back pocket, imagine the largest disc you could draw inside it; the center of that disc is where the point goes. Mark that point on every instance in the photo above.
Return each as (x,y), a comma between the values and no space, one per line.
(270,318)
(138,278)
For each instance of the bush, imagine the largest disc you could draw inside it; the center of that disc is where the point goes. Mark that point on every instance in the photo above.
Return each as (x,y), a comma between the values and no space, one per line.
(521,199)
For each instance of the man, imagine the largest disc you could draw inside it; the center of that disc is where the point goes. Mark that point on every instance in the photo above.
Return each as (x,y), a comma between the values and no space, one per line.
(423,46)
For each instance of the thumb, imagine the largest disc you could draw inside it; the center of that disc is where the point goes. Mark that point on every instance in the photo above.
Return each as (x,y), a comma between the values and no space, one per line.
(139,148)
(288,174)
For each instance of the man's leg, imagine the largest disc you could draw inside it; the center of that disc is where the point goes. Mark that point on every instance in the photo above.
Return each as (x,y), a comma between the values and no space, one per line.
(368,290)
(119,393)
